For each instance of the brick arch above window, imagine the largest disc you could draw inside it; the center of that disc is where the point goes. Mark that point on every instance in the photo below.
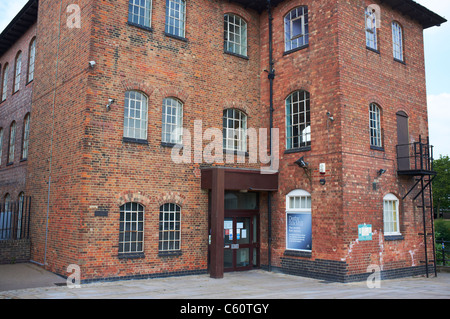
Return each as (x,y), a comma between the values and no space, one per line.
(134,197)
(174,92)
(232,104)
(170,197)
(302,85)
(236,10)
(142,86)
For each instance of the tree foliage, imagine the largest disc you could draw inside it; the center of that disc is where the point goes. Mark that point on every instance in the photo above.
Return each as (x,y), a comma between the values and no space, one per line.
(441,184)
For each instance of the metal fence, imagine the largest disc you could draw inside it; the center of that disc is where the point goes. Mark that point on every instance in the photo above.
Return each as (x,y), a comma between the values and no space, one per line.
(15,219)
(443,252)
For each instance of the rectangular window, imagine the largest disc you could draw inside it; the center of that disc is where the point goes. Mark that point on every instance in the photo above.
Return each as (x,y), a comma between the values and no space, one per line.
(397,41)
(172,121)
(391,215)
(234,130)
(139,12)
(175,17)
(135,118)
(169,227)
(298,120)
(131,232)
(298,221)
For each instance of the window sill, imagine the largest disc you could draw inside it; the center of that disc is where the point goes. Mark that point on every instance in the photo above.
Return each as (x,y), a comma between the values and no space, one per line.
(296,49)
(24,160)
(173,253)
(297,150)
(29,82)
(236,55)
(131,255)
(400,61)
(234,152)
(9,164)
(373,50)
(295,253)
(377,148)
(143,27)
(134,140)
(393,237)
(175,37)
(171,145)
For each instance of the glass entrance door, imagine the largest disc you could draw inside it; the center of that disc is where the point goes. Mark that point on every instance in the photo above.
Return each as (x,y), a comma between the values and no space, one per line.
(240,243)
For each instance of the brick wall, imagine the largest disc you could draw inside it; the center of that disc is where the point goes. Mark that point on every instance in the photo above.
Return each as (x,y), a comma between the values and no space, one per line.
(15,251)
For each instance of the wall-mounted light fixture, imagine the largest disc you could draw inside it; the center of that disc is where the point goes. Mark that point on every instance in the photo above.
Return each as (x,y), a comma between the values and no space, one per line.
(381,172)
(331,118)
(108,106)
(92,64)
(301,162)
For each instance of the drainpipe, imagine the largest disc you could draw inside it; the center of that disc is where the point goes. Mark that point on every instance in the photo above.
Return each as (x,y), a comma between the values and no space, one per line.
(271,77)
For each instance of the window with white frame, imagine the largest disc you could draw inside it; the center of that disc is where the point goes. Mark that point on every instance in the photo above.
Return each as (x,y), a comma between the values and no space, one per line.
(172,121)
(391,215)
(169,227)
(176,17)
(31,60)
(296,29)
(136,117)
(5,81)
(298,120)
(139,12)
(235,34)
(26,136)
(375,125)
(298,221)
(397,41)
(371,28)
(18,69)
(12,141)
(131,228)
(234,130)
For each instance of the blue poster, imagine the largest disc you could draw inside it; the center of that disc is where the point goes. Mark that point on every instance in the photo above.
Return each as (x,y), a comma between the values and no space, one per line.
(298,235)
(364,232)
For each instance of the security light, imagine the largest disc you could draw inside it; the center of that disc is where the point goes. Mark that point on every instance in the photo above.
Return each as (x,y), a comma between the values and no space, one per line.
(381,172)
(301,162)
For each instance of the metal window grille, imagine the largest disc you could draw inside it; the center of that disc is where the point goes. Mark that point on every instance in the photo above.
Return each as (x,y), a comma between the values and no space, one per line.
(298,120)
(169,227)
(131,232)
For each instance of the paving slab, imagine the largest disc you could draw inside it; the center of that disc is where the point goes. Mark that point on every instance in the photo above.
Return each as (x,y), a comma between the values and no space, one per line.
(255,284)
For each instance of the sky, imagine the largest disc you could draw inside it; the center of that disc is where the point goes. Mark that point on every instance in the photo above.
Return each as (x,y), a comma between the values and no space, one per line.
(437,66)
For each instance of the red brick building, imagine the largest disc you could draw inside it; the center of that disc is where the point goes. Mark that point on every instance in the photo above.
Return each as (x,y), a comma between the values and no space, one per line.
(341,82)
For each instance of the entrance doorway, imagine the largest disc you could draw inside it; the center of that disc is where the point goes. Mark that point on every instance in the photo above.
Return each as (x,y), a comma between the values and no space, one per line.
(241,244)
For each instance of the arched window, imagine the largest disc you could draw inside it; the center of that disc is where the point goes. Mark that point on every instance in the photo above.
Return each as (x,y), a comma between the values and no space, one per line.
(397,41)
(131,231)
(172,121)
(234,130)
(31,60)
(296,29)
(371,28)
(375,125)
(17,72)
(298,221)
(298,120)
(235,34)
(20,214)
(12,141)
(135,118)
(26,136)
(391,215)
(176,17)
(139,12)
(5,81)
(169,227)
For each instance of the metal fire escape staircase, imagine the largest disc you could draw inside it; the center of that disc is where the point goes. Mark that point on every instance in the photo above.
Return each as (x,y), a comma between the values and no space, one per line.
(416,159)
